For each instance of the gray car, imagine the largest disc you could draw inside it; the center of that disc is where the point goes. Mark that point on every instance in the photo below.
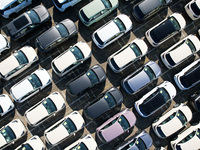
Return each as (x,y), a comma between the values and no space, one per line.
(56,35)
(141,77)
(28,21)
(93,76)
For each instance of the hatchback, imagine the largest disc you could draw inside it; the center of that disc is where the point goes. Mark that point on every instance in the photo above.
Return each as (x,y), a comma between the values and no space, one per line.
(193,9)
(96,10)
(5,44)
(64,4)
(6,104)
(127,55)
(141,77)
(155,99)
(28,21)
(112,31)
(165,29)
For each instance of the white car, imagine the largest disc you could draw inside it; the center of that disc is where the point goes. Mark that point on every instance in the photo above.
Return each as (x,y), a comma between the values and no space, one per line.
(71,58)
(8,7)
(193,9)
(62,5)
(45,109)
(127,55)
(189,76)
(11,132)
(5,44)
(17,62)
(6,104)
(180,51)
(171,122)
(34,143)
(112,31)
(187,140)
(30,85)
(155,99)
(64,128)
(87,142)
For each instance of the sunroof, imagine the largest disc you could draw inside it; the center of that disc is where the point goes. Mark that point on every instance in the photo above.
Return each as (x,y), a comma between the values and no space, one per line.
(19,23)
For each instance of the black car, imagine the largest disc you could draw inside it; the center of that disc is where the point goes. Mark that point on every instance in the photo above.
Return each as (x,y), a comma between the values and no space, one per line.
(195,101)
(56,35)
(105,102)
(93,76)
(28,21)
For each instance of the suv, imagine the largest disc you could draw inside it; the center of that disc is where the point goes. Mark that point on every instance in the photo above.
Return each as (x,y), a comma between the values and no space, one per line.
(7,7)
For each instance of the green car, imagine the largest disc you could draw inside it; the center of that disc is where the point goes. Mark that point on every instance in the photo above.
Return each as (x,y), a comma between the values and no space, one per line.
(96,10)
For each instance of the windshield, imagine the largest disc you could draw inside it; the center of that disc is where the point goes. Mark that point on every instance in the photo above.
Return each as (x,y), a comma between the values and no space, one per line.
(80,146)
(35,81)
(169,118)
(149,72)
(136,49)
(123,122)
(1,110)
(8,134)
(191,45)
(21,57)
(110,100)
(181,117)
(119,24)
(62,30)
(34,16)
(175,23)
(49,105)
(25,147)
(77,53)
(106,3)
(93,77)
(69,125)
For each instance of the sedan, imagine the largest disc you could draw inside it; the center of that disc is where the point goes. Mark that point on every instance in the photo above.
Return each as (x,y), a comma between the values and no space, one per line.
(188,139)
(11,132)
(19,61)
(165,29)
(56,35)
(96,10)
(112,31)
(28,21)
(71,58)
(141,77)
(64,128)
(85,143)
(102,104)
(195,101)
(147,8)
(180,51)
(92,77)
(155,99)
(142,141)
(6,104)
(64,4)
(5,44)
(173,121)
(34,143)
(193,9)
(189,76)
(45,109)
(127,55)
(30,85)
(116,125)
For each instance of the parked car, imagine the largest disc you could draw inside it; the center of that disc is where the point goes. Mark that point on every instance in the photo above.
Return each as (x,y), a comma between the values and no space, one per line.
(167,28)
(87,142)
(30,85)
(63,5)
(188,139)
(6,104)
(8,7)
(116,125)
(34,143)
(45,109)
(193,9)
(195,101)
(155,99)
(64,128)
(147,8)
(92,77)
(180,51)
(11,132)
(127,55)
(173,121)
(5,44)
(141,141)
(189,76)
(96,10)
(56,35)
(103,103)
(112,31)
(141,77)
(71,58)
(28,21)
(16,63)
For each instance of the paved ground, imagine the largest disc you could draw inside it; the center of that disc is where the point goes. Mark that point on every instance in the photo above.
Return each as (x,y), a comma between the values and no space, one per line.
(98,57)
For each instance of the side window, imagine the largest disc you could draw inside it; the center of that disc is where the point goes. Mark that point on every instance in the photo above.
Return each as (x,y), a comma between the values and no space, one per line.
(14,4)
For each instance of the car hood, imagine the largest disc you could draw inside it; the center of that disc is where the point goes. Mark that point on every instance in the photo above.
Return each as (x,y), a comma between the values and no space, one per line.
(79,85)
(70,25)
(42,12)
(149,5)
(2,141)
(98,108)
(3,42)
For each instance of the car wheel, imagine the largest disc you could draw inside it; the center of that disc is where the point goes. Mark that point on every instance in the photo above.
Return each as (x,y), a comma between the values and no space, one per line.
(176,105)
